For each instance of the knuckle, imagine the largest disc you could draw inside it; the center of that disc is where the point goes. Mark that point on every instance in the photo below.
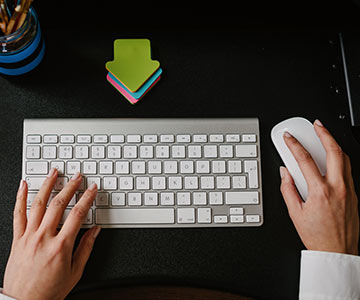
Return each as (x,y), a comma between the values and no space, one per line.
(59,201)
(322,190)
(18,211)
(304,156)
(341,190)
(78,212)
(39,202)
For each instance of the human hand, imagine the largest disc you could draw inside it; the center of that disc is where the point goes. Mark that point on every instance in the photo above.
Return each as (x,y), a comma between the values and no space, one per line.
(329,219)
(42,264)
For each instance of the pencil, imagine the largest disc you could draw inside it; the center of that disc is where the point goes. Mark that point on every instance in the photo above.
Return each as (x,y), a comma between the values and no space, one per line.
(4,14)
(25,5)
(10,26)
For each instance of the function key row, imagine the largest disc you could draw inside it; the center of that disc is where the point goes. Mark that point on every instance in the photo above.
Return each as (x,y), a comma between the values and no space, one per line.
(137,138)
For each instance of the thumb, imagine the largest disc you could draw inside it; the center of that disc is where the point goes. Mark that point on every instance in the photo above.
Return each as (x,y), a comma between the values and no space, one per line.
(83,251)
(291,196)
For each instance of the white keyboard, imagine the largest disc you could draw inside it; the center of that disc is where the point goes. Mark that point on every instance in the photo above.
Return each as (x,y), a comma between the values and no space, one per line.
(152,172)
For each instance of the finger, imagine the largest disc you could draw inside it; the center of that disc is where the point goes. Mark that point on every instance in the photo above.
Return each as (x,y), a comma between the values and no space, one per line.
(306,163)
(77,215)
(291,196)
(20,219)
(57,205)
(334,155)
(83,251)
(38,207)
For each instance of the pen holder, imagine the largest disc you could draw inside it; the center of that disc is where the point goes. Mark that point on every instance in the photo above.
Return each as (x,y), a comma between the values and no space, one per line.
(22,50)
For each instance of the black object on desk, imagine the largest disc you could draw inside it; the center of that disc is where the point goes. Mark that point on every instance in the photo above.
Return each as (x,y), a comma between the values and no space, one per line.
(270,73)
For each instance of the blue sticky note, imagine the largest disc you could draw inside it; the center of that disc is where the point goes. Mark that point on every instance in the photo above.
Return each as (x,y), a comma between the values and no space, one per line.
(143,88)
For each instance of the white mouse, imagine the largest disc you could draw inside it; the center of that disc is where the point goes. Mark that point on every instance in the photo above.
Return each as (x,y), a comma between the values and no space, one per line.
(304,132)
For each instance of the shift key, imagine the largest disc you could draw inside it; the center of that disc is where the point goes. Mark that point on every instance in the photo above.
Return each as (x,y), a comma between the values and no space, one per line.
(242,197)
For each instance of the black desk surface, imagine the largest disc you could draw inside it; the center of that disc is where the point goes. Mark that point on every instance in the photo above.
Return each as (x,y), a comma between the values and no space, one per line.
(215,71)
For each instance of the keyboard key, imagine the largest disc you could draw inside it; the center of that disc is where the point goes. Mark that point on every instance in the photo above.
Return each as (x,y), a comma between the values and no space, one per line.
(203,167)
(251,168)
(236,211)
(248,138)
(60,182)
(72,167)
(126,183)
(220,219)
(199,198)
(226,151)
(236,219)
(67,139)
(117,138)
(167,138)
(234,166)
(183,138)
(59,165)
(50,139)
(186,167)
(130,151)
(138,167)
(150,199)
(122,167)
(178,151)
(118,199)
(167,199)
(162,152)
(223,182)
(241,198)
(134,216)
(114,152)
(36,167)
(146,151)
(194,151)
(82,152)
(210,151)
(102,199)
(218,166)
(100,138)
(65,152)
(110,183)
(185,215)
(150,138)
(232,138)
(83,139)
(207,182)
(33,152)
(90,180)
(142,183)
(239,182)
(216,198)
(34,183)
(191,183)
(200,138)
(89,167)
(252,218)
(97,151)
(204,215)
(133,138)
(246,151)
(170,167)
(154,167)
(159,183)
(105,167)
(216,138)
(183,198)
(33,139)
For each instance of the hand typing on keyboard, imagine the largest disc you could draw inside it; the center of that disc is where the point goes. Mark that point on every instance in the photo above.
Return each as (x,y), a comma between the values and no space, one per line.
(42,264)
(328,220)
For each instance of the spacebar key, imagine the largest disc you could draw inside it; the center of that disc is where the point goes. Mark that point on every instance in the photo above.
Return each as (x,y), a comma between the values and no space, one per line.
(134,216)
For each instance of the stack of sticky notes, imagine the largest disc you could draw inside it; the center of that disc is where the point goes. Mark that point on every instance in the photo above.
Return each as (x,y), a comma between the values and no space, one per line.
(132,72)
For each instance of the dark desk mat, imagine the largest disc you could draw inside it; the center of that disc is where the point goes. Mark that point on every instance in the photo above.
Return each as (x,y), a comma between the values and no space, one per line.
(272,75)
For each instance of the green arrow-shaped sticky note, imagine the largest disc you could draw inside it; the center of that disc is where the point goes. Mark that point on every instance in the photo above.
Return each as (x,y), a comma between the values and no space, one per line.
(132,63)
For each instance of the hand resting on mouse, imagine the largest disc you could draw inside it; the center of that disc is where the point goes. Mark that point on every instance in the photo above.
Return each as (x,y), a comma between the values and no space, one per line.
(329,219)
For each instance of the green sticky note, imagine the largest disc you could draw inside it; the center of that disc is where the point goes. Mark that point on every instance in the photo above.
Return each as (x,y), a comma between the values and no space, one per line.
(132,63)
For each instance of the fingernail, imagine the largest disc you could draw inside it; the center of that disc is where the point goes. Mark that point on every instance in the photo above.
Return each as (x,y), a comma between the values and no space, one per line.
(52,172)
(22,184)
(76,176)
(318,123)
(93,187)
(282,172)
(287,134)
(96,232)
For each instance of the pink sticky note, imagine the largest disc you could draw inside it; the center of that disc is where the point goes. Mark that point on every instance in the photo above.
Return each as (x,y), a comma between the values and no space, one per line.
(130,98)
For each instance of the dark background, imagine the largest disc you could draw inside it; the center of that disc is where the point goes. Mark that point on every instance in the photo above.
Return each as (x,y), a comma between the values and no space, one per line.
(223,59)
